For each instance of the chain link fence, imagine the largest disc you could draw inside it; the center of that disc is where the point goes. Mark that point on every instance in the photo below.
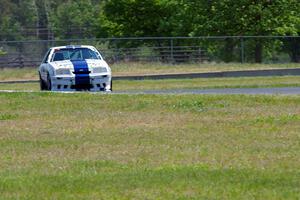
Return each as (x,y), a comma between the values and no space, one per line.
(246,49)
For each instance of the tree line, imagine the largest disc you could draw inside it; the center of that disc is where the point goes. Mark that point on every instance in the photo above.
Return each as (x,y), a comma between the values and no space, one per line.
(64,19)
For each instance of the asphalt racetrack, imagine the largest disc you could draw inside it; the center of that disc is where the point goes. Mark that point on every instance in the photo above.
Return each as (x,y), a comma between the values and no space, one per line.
(250,91)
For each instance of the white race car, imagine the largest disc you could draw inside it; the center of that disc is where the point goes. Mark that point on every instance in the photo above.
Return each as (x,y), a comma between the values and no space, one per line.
(74,68)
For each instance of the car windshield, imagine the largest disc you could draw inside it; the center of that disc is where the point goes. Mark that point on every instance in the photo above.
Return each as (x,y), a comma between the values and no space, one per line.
(75,54)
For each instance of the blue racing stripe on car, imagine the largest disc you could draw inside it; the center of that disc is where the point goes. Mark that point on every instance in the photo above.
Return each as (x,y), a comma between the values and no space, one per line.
(81,71)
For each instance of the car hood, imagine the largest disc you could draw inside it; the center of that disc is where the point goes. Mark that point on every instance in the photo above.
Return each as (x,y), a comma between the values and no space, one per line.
(91,63)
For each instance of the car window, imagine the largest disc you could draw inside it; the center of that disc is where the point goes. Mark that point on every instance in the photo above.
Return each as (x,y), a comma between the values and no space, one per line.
(46,56)
(75,54)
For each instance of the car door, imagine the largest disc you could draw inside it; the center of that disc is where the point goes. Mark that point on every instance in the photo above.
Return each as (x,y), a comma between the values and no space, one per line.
(45,65)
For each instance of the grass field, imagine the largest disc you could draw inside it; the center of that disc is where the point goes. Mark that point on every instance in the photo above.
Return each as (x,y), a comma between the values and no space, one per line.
(92,146)
(121,69)
(199,83)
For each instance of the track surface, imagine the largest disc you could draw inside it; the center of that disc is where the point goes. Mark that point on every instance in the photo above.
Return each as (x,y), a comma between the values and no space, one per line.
(220,74)
(252,91)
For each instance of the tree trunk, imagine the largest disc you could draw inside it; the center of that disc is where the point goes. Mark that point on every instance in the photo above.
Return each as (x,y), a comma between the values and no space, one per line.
(42,22)
(295,50)
(258,52)
(229,50)
(42,25)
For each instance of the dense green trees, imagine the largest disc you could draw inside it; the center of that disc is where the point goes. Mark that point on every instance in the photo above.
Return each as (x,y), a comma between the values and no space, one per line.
(153,17)
(131,18)
(247,17)
(76,17)
(15,15)
(210,18)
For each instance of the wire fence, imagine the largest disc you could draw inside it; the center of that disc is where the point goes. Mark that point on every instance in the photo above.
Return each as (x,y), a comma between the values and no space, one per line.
(243,49)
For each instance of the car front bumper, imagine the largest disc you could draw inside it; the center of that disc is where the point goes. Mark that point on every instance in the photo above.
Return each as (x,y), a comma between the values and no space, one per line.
(69,83)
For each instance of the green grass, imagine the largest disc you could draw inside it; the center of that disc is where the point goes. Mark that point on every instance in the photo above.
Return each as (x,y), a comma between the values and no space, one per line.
(120,69)
(10,74)
(20,86)
(199,83)
(87,146)
(158,68)
(205,83)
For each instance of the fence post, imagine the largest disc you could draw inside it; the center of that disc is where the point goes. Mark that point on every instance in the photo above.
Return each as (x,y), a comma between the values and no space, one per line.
(242,50)
(20,57)
(20,60)
(172,50)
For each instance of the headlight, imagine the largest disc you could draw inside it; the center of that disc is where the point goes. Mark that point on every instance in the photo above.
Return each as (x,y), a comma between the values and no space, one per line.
(98,70)
(63,72)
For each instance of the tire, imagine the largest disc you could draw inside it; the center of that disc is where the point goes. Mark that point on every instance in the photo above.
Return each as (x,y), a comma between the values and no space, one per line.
(49,84)
(42,83)
(111,88)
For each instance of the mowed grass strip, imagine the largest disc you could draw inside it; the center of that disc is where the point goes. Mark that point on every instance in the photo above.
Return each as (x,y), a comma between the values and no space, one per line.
(208,83)
(198,83)
(164,68)
(123,69)
(85,146)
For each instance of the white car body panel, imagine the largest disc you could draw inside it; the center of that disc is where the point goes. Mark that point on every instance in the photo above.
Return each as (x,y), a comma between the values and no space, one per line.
(66,75)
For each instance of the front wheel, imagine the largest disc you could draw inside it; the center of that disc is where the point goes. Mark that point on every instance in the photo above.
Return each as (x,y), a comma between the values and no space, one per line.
(111,88)
(43,86)
(49,84)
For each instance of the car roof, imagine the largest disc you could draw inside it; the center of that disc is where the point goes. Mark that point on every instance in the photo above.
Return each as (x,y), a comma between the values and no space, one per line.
(73,47)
